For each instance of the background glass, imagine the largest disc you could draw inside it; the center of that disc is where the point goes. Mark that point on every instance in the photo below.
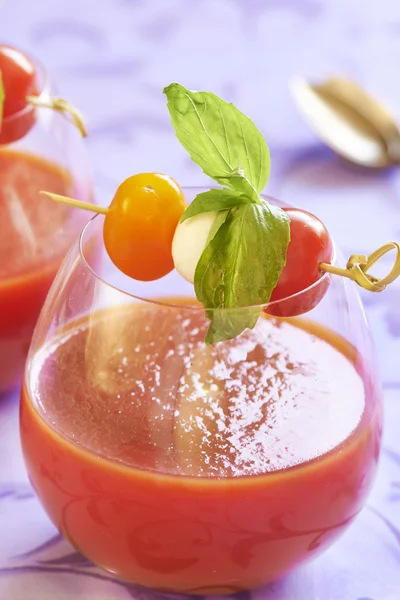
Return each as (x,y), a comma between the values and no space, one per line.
(35,233)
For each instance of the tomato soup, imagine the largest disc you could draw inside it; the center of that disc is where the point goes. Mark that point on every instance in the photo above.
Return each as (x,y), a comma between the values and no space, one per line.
(198,469)
(35,235)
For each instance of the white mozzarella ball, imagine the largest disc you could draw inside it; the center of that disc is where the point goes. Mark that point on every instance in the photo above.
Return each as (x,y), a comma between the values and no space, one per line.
(189,242)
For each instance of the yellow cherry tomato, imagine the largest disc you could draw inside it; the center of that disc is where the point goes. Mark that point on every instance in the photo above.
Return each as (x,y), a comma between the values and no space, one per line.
(140,225)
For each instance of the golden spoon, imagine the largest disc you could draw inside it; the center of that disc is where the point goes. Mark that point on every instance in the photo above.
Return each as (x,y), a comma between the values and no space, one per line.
(351,122)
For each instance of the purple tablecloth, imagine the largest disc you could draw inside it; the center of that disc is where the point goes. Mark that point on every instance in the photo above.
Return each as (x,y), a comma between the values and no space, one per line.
(112,58)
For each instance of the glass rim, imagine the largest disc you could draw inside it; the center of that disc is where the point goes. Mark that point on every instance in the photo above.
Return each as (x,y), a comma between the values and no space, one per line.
(195,307)
(44,80)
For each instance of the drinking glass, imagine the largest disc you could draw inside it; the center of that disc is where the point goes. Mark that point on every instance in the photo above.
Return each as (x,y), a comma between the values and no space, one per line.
(192,468)
(39,149)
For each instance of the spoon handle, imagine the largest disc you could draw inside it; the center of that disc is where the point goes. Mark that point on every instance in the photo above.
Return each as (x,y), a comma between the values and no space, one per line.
(373,111)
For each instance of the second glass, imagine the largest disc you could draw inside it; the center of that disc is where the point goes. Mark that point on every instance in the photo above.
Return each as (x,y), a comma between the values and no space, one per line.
(35,232)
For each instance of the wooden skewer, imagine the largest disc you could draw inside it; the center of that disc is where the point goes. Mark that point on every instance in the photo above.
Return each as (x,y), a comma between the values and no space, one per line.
(62,106)
(77,203)
(357,266)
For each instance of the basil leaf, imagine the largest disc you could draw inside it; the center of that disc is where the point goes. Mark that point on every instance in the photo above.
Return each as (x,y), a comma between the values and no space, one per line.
(241,266)
(218,221)
(214,200)
(2,96)
(220,139)
(227,323)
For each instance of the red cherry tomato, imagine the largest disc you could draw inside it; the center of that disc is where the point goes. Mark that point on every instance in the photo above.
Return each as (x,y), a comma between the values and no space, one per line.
(140,225)
(310,244)
(19,78)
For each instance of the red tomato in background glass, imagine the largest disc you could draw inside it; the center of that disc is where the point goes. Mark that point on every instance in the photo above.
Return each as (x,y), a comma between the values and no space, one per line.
(19,78)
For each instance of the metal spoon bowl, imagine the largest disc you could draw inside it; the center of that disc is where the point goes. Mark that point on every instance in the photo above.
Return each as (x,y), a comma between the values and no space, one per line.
(351,122)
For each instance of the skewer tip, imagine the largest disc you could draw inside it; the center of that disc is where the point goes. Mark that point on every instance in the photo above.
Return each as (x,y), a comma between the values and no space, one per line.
(76,203)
